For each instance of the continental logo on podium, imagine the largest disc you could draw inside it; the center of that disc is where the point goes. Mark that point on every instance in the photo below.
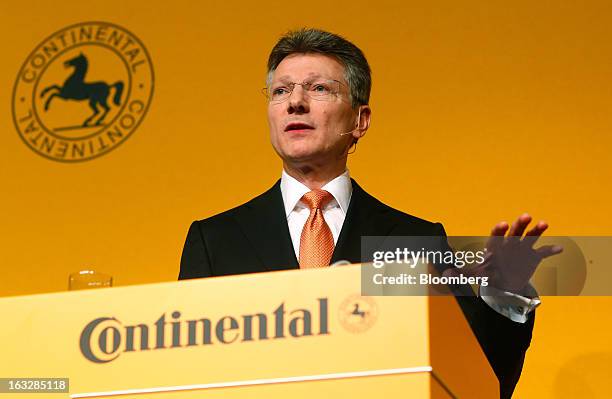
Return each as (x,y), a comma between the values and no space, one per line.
(105,338)
(358,313)
(82,91)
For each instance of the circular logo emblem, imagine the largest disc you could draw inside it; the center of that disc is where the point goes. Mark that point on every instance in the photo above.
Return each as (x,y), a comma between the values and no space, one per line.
(357,313)
(82,92)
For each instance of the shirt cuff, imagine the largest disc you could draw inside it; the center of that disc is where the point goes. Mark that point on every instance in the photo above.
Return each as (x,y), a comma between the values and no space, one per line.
(513,306)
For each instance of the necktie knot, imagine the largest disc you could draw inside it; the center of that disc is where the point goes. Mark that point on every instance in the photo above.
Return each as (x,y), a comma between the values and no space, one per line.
(316,199)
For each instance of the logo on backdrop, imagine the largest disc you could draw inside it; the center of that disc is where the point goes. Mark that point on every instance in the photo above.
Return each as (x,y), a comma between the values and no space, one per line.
(82,92)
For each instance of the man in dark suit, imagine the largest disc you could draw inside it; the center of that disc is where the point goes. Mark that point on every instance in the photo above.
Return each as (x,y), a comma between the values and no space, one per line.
(318,90)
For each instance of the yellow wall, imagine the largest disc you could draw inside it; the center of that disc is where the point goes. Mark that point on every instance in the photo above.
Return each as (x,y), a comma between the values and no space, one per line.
(481,111)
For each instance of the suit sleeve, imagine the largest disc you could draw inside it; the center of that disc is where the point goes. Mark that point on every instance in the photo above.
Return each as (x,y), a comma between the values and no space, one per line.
(503,341)
(195,260)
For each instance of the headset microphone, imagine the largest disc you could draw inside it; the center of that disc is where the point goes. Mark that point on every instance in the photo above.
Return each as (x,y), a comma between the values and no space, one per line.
(356,127)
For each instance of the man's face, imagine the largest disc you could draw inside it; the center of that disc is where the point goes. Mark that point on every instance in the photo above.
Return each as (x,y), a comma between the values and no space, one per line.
(304,130)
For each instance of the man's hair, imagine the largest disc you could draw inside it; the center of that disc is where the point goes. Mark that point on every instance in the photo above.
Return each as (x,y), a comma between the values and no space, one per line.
(356,69)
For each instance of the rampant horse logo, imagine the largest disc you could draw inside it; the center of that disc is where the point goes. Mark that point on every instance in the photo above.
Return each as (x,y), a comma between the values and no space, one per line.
(357,313)
(75,88)
(82,92)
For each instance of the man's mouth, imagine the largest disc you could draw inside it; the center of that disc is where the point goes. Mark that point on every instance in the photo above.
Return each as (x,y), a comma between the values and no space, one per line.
(298,127)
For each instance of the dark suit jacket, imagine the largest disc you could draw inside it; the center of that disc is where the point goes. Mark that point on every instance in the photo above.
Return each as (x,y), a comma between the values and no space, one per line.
(254,237)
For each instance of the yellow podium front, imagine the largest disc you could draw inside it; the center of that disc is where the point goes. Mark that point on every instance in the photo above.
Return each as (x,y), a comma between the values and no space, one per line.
(298,334)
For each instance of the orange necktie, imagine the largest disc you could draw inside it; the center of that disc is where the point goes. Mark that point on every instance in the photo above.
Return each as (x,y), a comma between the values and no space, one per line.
(317,241)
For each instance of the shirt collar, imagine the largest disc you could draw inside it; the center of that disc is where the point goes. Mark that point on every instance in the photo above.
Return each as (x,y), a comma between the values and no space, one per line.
(292,190)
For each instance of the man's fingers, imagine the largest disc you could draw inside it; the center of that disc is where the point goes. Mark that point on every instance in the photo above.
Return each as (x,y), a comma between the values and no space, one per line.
(519,226)
(497,236)
(500,229)
(549,250)
(532,235)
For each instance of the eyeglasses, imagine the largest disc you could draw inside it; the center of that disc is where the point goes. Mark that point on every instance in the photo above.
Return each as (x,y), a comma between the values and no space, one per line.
(321,90)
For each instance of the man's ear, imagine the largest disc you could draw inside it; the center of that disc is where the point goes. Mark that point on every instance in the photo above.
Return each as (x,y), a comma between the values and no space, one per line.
(364,116)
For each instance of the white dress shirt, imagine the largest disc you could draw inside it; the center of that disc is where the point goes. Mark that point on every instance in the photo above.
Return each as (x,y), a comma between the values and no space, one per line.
(512,306)
(297,212)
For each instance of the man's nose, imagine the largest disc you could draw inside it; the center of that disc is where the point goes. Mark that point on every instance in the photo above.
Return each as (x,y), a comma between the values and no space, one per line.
(298,101)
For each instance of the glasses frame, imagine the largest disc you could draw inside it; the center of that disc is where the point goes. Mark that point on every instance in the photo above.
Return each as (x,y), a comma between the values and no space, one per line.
(291,86)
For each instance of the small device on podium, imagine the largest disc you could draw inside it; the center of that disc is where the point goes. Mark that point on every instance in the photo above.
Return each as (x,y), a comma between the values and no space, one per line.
(89,279)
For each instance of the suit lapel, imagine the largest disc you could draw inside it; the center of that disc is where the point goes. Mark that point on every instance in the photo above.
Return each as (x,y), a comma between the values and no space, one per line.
(366,216)
(264,223)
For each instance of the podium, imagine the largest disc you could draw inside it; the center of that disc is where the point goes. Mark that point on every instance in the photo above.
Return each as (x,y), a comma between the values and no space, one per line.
(287,334)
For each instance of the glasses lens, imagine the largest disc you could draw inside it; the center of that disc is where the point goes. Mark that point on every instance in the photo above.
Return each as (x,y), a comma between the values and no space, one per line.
(323,89)
(279,92)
